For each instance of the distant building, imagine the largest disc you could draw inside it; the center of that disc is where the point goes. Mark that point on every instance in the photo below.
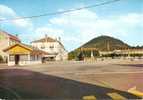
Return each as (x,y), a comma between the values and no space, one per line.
(22,54)
(53,47)
(6,40)
(130,52)
(105,52)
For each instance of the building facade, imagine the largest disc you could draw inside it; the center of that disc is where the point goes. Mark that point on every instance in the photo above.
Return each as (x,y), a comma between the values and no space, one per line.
(54,48)
(21,54)
(6,40)
(130,52)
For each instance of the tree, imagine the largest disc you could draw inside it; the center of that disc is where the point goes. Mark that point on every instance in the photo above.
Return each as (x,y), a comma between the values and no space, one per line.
(80,56)
(72,55)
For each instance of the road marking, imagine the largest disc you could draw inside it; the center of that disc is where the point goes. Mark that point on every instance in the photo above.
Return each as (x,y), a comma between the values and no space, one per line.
(135,72)
(116,96)
(134,91)
(90,97)
(93,73)
(106,84)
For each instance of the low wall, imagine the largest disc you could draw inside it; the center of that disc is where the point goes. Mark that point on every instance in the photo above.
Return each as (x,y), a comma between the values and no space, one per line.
(12,63)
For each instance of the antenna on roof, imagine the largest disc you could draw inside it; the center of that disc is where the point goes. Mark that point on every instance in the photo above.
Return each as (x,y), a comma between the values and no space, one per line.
(59,39)
(16,35)
(46,37)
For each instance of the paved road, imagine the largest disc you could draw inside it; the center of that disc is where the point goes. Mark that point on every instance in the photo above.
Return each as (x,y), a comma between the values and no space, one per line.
(76,80)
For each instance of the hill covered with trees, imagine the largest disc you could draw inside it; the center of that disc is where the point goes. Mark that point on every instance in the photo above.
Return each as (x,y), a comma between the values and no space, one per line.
(101,43)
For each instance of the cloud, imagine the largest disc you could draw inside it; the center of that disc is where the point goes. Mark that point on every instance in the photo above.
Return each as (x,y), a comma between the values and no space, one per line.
(51,32)
(74,17)
(76,28)
(9,13)
(86,24)
(40,32)
(23,23)
(132,18)
(5,10)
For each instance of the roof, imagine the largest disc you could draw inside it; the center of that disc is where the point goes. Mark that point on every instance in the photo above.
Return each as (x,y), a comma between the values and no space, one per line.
(87,49)
(46,39)
(28,47)
(13,37)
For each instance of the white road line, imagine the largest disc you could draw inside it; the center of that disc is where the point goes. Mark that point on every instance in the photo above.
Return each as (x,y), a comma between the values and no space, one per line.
(116,96)
(109,73)
(93,73)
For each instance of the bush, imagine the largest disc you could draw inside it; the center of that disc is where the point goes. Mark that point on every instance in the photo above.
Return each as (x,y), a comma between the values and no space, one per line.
(71,56)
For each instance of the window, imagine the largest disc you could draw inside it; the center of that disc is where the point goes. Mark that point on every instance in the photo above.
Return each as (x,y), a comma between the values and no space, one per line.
(33,58)
(23,57)
(37,57)
(2,37)
(51,47)
(11,58)
(42,47)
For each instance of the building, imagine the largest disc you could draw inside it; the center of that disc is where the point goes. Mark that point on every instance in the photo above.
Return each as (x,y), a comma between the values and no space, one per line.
(102,53)
(6,40)
(91,51)
(53,47)
(22,54)
(130,52)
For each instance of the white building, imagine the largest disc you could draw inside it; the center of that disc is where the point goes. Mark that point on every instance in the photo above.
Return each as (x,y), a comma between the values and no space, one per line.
(53,47)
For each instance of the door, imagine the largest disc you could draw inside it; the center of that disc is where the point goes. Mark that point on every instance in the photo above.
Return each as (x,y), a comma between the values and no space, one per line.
(16,59)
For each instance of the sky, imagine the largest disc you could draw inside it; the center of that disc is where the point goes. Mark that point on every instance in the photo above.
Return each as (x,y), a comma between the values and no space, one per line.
(122,19)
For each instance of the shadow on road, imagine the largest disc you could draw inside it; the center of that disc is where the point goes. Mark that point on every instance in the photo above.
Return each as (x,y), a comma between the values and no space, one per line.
(133,65)
(19,83)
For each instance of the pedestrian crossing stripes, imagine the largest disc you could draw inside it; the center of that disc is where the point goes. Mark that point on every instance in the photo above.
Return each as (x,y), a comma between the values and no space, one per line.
(90,97)
(134,91)
(116,96)
(113,96)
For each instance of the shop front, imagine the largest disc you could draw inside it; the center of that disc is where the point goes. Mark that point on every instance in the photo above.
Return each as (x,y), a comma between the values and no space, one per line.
(21,54)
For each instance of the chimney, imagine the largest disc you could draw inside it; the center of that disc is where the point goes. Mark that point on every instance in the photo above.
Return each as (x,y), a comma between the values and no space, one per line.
(46,37)
(17,35)
(59,39)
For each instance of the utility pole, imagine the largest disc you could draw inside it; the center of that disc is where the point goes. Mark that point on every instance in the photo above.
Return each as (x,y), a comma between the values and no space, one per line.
(60,47)
(108,46)
(0,26)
